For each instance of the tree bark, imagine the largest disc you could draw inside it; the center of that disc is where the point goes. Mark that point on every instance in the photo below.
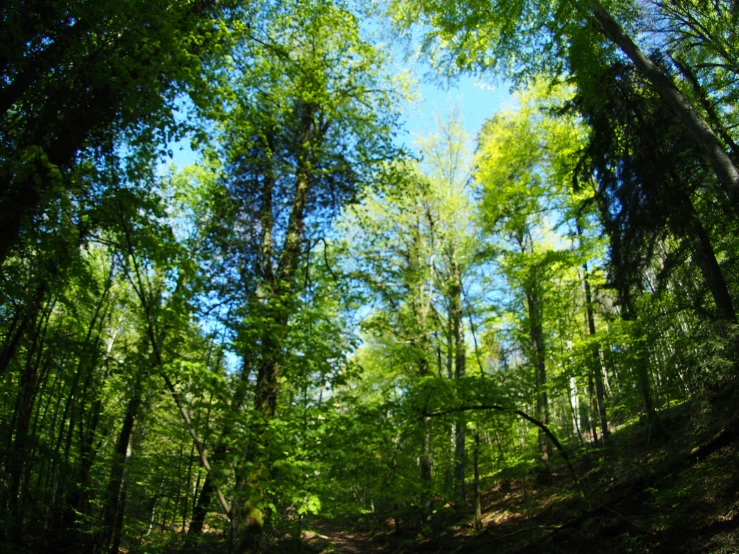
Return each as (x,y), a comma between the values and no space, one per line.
(704,255)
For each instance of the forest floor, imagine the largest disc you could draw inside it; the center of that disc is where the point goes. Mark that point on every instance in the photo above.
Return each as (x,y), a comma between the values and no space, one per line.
(643,493)
(334,539)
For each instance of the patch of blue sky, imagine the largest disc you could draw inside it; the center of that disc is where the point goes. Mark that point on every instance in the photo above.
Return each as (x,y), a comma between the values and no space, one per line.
(476,101)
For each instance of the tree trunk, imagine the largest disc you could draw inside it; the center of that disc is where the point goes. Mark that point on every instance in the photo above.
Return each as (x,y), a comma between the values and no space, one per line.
(249,520)
(692,228)
(115,491)
(43,63)
(115,544)
(87,362)
(478,503)
(574,402)
(595,354)
(645,388)
(536,334)
(20,453)
(78,501)
(460,360)
(425,461)
(23,318)
(146,299)
(640,363)
(200,508)
(592,408)
(595,358)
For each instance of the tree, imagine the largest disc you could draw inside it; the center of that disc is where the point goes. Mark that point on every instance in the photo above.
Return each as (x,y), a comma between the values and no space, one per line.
(446,164)
(513,208)
(526,163)
(305,129)
(646,184)
(412,251)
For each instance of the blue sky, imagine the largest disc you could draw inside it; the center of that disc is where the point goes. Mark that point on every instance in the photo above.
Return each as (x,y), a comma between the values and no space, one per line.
(476,100)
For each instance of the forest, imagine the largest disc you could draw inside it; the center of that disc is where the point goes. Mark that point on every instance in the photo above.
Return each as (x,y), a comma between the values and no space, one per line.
(318,336)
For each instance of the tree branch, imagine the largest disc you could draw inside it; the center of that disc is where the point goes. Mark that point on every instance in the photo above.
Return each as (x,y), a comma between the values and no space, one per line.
(520,413)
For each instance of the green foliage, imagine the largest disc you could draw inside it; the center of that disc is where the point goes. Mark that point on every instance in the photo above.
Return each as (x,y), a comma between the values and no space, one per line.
(310,324)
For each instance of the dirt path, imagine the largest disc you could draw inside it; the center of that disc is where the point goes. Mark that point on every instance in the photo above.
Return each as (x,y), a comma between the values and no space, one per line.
(330,539)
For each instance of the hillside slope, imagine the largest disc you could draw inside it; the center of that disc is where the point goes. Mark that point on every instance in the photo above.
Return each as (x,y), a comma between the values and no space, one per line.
(675,493)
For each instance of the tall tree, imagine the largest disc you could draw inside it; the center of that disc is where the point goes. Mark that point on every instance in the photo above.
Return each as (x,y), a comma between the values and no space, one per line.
(647,181)
(513,206)
(306,128)
(421,240)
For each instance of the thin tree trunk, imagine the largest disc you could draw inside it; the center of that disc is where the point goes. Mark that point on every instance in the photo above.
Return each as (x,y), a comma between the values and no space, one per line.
(460,360)
(425,461)
(595,359)
(478,503)
(146,300)
(645,388)
(641,369)
(574,408)
(21,451)
(200,508)
(115,491)
(27,314)
(536,334)
(115,544)
(204,498)
(592,408)
(78,502)
(87,361)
